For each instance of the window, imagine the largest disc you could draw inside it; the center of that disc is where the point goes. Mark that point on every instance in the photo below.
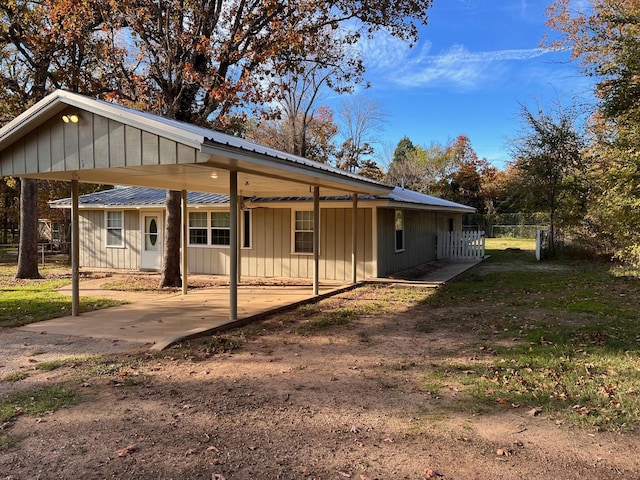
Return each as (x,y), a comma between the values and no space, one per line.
(303,232)
(115,229)
(399,228)
(220,228)
(198,228)
(246,228)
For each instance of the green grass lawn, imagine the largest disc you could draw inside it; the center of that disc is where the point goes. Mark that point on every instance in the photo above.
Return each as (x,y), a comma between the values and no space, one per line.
(28,301)
(562,335)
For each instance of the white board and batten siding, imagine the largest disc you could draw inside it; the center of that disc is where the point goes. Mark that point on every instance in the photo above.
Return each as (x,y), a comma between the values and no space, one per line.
(94,143)
(461,246)
(94,252)
(420,229)
(271,253)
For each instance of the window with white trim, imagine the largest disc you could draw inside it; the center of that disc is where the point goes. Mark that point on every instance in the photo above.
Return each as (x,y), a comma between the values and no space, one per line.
(399,230)
(115,229)
(220,228)
(303,231)
(198,228)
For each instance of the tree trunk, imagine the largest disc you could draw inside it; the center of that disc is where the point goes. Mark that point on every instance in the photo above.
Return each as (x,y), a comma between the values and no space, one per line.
(28,247)
(171,255)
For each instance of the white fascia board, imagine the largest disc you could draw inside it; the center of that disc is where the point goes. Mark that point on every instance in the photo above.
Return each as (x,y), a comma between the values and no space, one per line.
(433,208)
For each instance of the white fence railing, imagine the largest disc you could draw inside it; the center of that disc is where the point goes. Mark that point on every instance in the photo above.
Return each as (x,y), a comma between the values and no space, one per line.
(464,246)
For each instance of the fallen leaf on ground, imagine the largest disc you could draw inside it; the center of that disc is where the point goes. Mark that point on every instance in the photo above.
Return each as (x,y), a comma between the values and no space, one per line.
(123,452)
(344,474)
(534,412)
(430,473)
(213,449)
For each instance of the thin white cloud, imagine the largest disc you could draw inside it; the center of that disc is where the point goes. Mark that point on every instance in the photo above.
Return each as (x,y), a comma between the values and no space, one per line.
(456,67)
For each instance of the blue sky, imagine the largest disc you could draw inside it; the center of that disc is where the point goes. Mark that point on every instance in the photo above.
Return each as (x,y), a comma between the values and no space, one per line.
(475,63)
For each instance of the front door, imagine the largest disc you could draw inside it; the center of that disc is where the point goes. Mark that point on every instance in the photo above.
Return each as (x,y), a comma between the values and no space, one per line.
(151,256)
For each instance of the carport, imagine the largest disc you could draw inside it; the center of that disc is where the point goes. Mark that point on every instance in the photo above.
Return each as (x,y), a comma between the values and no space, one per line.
(74,138)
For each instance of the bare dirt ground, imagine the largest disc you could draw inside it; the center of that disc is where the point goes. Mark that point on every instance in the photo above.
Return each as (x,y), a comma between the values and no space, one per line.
(267,402)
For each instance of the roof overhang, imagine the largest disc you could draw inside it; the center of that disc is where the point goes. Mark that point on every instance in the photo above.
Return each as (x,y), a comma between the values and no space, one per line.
(261,171)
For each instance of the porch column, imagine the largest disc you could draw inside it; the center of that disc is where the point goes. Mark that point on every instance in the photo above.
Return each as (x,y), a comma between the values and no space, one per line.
(316,240)
(240,240)
(354,240)
(184,253)
(75,251)
(233,246)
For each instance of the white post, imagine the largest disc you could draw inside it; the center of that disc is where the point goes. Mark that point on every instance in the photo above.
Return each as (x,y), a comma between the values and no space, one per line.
(75,251)
(184,254)
(233,246)
(354,240)
(316,240)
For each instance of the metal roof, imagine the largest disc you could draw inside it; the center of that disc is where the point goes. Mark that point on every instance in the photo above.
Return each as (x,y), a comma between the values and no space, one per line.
(151,197)
(138,197)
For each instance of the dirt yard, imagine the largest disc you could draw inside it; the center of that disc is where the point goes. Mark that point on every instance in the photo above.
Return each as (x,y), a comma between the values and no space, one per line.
(278,401)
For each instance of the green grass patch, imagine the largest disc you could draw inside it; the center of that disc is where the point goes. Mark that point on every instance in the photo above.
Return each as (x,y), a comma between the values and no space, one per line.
(504,243)
(50,365)
(325,320)
(15,376)
(36,402)
(562,335)
(28,301)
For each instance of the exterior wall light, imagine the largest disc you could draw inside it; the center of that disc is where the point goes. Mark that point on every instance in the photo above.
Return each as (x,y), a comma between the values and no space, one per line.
(214,175)
(73,118)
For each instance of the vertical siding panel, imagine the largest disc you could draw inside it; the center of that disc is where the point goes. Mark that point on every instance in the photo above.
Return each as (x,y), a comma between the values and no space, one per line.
(44,149)
(186,154)
(264,243)
(366,242)
(133,146)
(85,142)
(150,149)
(285,247)
(116,144)
(31,155)
(168,152)
(342,235)
(278,234)
(6,162)
(71,146)
(267,259)
(57,147)
(100,141)
(133,241)
(99,233)
(328,241)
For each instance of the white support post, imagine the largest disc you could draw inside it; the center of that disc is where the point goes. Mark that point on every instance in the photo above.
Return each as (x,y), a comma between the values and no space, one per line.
(354,241)
(75,250)
(240,240)
(316,241)
(233,246)
(184,253)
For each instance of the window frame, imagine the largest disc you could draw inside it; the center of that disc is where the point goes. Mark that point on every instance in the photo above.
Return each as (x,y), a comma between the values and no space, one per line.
(294,230)
(204,228)
(108,229)
(219,228)
(398,229)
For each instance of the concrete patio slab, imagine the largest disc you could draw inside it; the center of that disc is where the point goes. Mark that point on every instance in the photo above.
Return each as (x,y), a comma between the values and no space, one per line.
(161,319)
